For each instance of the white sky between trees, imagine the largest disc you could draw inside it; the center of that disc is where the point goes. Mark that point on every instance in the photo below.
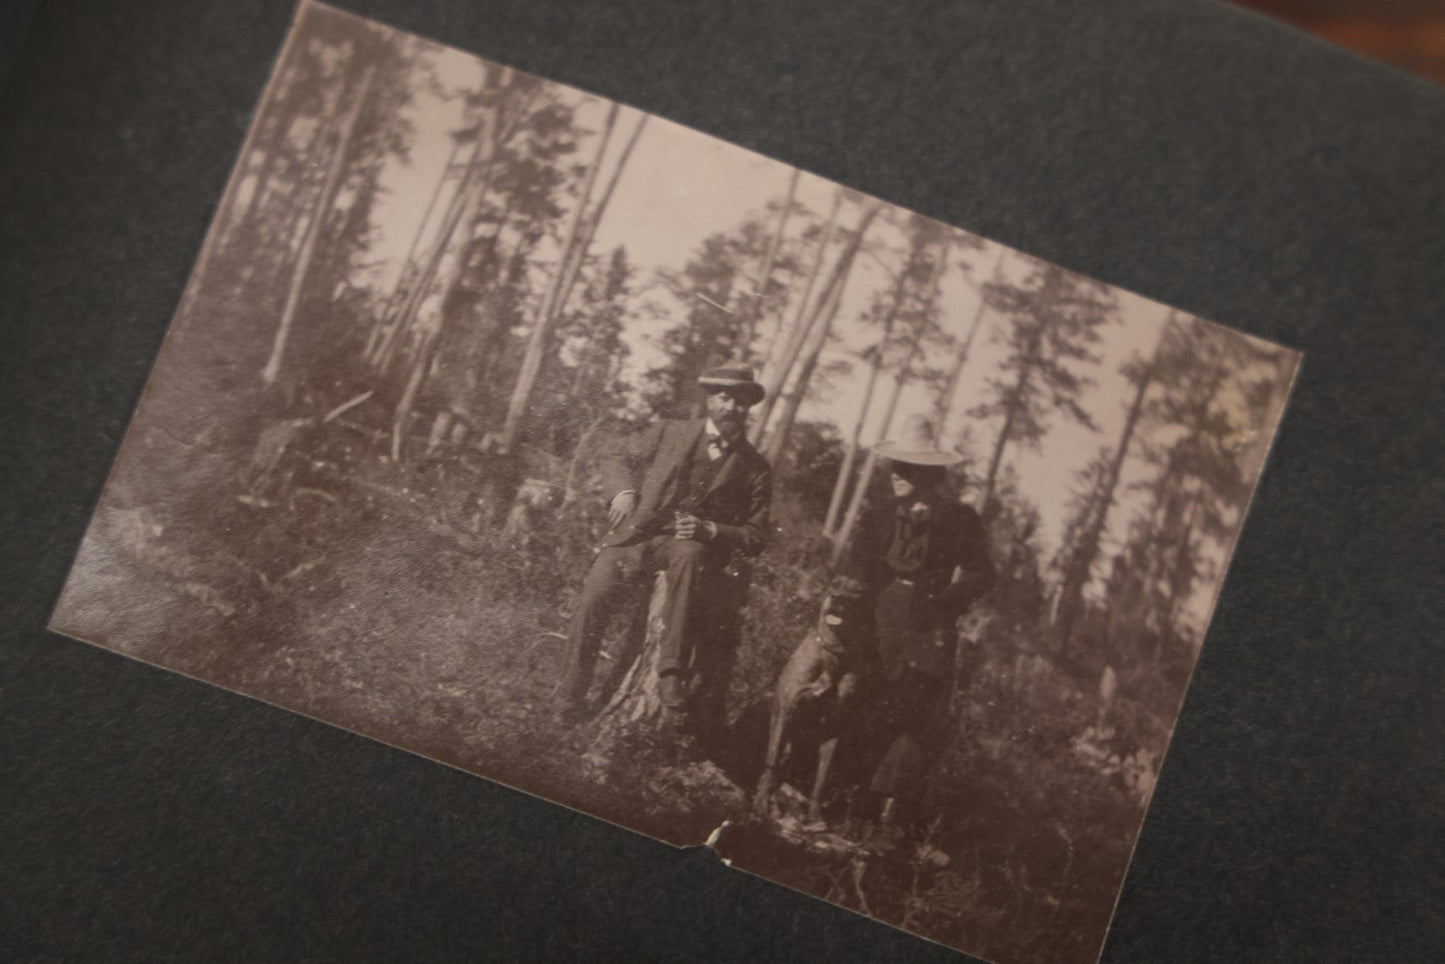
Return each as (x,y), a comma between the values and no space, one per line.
(682,185)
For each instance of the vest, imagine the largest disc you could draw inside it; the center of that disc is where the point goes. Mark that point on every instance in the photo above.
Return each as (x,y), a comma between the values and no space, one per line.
(697,477)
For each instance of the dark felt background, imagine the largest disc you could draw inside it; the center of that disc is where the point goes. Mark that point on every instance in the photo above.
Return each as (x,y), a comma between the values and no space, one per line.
(1185,150)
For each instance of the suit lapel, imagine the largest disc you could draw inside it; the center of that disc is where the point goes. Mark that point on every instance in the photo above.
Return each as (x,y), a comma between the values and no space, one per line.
(733,463)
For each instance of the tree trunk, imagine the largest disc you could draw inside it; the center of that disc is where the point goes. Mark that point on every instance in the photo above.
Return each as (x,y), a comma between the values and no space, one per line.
(850,453)
(469,195)
(385,330)
(263,178)
(422,279)
(811,338)
(784,336)
(268,138)
(568,263)
(777,439)
(1071,591)
(635,706)
(227,217)
(840,485)
(1181,570)
(1015,400)
(776,371)
(313,230)
(942,407)
(986,499)
(402,416)
(860,492)
(755,306)
(464,201)
(589,230)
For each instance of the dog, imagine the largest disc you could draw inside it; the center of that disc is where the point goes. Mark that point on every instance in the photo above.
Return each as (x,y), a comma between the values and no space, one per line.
(822,672)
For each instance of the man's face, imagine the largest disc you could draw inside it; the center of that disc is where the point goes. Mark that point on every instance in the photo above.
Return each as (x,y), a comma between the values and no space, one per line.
(902,487)
(727,410)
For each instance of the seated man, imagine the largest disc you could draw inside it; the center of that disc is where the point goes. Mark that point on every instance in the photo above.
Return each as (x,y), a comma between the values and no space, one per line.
(688,496)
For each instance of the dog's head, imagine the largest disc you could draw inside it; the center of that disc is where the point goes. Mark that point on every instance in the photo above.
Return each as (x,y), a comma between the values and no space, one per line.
(843,611)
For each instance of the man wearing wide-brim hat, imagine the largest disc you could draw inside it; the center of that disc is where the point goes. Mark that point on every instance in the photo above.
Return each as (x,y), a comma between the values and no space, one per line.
(924,556)
(686,497)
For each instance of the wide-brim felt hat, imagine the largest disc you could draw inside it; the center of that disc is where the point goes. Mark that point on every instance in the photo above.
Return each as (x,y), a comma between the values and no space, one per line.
(916,445)
(737,378)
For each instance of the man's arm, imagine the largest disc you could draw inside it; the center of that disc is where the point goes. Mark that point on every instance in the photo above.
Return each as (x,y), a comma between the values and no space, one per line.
(975,572)
(619,465)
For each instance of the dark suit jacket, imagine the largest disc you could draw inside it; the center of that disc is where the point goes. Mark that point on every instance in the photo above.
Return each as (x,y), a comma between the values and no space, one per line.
(906,612)
(650,462)
(956,539)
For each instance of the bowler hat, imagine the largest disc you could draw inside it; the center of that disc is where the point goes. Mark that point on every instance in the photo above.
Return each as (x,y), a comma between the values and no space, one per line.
(916,445)
(737,378)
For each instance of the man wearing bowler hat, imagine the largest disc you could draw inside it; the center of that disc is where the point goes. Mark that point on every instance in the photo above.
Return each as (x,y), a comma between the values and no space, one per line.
(688,497)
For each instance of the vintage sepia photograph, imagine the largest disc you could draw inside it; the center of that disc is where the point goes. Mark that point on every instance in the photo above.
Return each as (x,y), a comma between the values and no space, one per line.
(583,451)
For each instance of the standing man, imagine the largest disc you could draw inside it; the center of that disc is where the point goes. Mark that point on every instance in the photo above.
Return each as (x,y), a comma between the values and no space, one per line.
(688,497)
(924,557)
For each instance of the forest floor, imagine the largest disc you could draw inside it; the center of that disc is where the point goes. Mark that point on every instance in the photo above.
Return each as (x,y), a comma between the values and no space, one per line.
(360,592)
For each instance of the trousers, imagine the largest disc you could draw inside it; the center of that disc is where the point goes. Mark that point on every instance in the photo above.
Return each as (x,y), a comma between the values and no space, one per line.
(615,570)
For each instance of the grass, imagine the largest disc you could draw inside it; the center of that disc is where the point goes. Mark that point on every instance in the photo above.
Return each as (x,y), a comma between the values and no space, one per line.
(353,590)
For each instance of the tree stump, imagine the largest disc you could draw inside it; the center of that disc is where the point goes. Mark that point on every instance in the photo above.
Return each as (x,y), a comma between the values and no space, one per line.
(639,744)
(634,715)
(263,477)
(636,699)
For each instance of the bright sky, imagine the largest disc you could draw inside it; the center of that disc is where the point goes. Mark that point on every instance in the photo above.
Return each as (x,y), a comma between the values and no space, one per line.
(681,185)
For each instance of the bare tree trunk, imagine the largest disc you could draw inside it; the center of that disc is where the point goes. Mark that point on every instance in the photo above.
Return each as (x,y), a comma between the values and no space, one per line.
(590,227)
(860,491)
(274,245)
(1077,576)
(287,113)
(775,372)
(568,263)
(1181,572)
(402,415)
(754,310)
(313,230)
(412,289)
(850,455)
(385,330)
(844,535)
(469,194)
(1016,399)
(422,280)
(263,178)
(915,348)
(942,407)
(490,136)
(218,237)
(815,332)
(777,439)
(986,499)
